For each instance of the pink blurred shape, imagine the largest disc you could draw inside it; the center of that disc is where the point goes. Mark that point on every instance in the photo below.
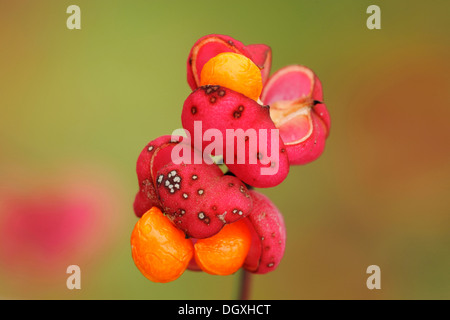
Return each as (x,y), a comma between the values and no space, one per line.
(48,222)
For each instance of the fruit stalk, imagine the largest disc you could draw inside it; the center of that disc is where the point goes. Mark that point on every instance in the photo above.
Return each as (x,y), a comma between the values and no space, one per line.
(244,285)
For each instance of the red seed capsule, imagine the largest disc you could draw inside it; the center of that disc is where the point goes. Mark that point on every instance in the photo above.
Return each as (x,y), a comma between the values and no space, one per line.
(268,235)
(295,96)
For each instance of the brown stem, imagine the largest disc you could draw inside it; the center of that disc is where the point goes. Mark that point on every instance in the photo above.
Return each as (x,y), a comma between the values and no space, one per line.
(245,284)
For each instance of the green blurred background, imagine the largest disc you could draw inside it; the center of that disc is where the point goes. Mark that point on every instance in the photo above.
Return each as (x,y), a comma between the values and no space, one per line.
(92,98)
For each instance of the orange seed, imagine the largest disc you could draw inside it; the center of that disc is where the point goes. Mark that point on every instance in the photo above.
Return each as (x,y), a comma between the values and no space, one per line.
(225,252)
(233,71)
(160,250)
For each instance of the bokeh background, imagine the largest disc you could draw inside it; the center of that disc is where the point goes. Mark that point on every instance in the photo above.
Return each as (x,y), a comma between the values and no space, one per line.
(77,107)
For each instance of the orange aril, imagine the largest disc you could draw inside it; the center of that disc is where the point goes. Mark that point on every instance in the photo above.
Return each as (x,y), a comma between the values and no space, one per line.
(160,250)
(233,71)
(225,252)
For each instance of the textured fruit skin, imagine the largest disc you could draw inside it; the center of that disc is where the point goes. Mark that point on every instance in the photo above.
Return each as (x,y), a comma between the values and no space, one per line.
(196,196)
(224,253)
(146,197)
(211,45)
(268,230)
(160,251)
(199,198)
(221,108)
(293,88)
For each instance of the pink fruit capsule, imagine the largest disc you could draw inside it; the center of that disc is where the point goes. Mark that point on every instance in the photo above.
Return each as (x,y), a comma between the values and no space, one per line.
(268,235)
(261,55)
(199,198)
(211,45)
(146,197)
(295,96)
(244,134)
